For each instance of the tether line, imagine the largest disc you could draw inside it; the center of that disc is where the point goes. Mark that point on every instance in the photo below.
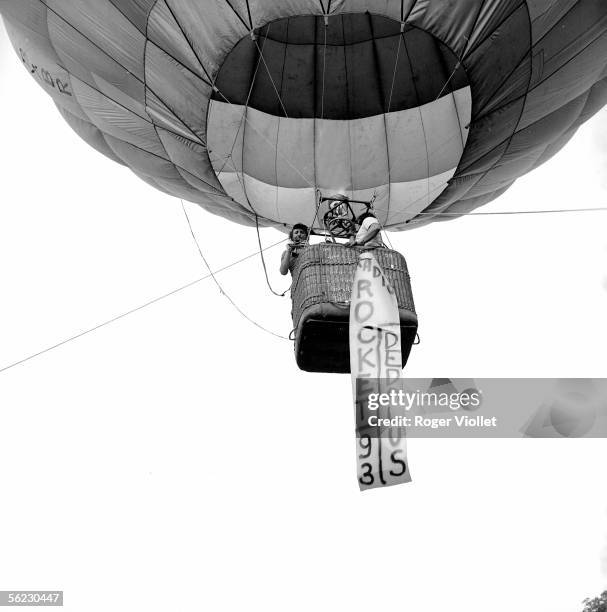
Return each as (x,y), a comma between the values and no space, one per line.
(133,310)
(513,212)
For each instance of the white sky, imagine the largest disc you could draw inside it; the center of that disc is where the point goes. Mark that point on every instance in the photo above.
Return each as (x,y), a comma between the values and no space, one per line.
(177,459)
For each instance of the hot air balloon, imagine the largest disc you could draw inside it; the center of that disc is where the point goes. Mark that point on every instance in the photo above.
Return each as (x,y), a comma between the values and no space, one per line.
(250,108)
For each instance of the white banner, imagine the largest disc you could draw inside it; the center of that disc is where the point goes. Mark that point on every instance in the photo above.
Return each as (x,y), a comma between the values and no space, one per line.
(375,354)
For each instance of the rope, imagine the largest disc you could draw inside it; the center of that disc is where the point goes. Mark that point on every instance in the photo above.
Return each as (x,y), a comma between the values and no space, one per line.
(514,212)
(242,182)
(311,226)
(400,41)
(263,262)
(263,137)
(383,229)
(324,67)
(132,311)
(459,63)
(236,307)
(490,213)
(215,272)
(270,75)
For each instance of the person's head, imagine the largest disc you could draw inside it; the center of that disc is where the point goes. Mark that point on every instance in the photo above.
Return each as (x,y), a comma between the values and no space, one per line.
(299,233)
(339,204)
(339,208)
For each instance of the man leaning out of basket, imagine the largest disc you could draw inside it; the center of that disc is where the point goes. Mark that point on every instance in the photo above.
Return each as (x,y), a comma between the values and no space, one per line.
(368,234)
(299,237)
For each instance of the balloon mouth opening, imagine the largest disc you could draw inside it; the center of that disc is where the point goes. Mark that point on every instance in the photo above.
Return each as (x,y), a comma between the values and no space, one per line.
(354,106)
(356,66)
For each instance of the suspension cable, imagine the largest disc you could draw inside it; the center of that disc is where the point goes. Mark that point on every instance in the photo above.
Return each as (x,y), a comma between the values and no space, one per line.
(382,227)
(324,67)
(460,61)
(400,41)
(311,226)
(260,51)
(263,137)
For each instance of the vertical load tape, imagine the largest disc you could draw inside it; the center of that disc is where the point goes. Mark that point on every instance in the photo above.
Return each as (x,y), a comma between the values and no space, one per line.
(376,366)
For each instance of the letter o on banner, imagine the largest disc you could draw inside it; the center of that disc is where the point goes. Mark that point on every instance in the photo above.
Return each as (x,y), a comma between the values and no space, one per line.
(360,309)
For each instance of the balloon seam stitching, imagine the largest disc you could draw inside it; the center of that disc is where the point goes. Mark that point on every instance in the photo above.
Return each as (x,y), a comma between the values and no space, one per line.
(248,26)
(189,43)
(522,111)
(481,41)
(110,57)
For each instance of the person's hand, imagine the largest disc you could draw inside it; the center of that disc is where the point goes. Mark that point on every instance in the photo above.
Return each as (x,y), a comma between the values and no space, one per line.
(290,246)
(351,242)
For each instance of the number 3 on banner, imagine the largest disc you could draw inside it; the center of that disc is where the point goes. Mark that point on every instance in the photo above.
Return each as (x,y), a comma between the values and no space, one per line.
(381,462)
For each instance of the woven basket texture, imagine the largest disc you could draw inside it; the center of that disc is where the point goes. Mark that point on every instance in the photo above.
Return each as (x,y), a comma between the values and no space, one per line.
(324,273)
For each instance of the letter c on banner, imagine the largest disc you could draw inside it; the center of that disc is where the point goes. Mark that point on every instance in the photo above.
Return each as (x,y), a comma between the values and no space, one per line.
(372,337)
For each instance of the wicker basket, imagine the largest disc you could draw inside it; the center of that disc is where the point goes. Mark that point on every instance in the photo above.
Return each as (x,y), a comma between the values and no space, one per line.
(322,282)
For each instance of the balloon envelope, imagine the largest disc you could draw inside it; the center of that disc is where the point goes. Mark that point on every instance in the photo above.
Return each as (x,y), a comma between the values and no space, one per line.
(248,107)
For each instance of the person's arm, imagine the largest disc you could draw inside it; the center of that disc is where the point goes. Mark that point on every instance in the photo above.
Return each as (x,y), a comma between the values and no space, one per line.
(371,227)
(285,260)
(371,233)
